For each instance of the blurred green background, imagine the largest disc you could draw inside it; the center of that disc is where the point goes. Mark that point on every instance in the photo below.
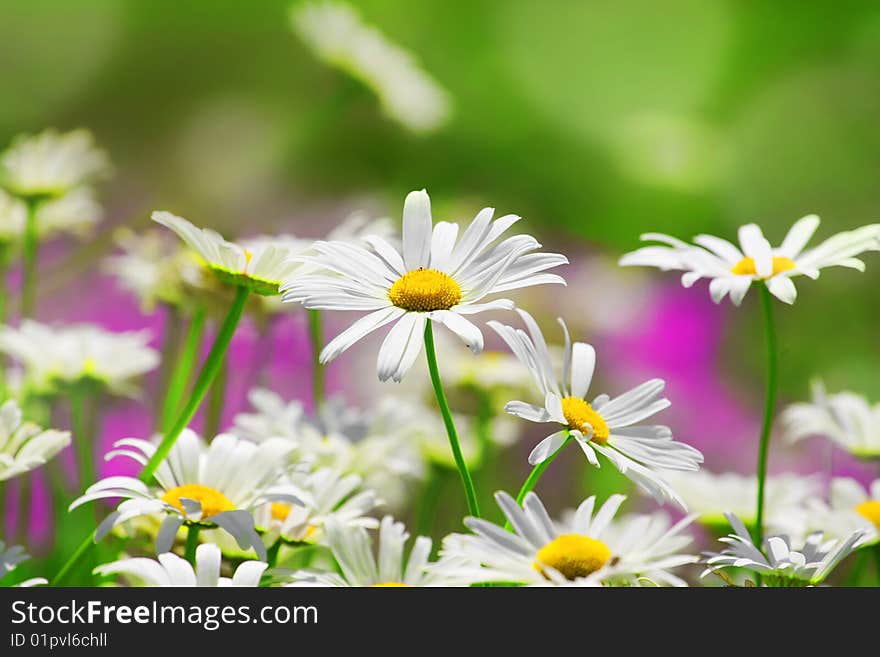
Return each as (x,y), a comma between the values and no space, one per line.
(600,120)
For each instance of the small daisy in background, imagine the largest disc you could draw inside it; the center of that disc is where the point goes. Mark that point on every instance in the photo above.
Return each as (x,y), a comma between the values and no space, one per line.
(10,557)
(24,446)
(780,563)
(352,549)
(845,418)
(732,269)
(589,545)
(609,426)
(850,507)
(217,484)
(168,569)
(336,35)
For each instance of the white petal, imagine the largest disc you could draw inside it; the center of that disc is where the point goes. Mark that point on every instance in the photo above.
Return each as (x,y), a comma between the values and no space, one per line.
(464,329)
(583,363)
(756,246)
(782,288)
(417,230)
(547,447)
(798,236)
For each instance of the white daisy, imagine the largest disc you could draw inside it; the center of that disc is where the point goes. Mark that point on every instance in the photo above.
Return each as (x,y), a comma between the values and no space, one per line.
(352,549)
(605,425)
(220,483)
(711,495)
(261,269)
(56,356)
(588,545)
(849,508)
(25,446)
(336,34)
(50,164)
(732,270)
(845,418)
(326,495)
(171,570)
(437,278)
(75,213)
(783,565)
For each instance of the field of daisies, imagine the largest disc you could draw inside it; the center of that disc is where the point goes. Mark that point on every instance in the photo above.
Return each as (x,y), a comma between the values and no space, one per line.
(425,394)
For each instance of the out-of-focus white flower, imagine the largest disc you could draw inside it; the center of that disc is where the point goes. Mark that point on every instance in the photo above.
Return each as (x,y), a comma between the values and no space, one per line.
(326,495)
(783,565)
(216,484)
(53,357)
(50,164)
(337,35)
(849,508)
(845,418)
(438,278)
(588,546)
(10,557)
(75,213)
(25,446)
(171,570)
(352,549)
(712,495)
(732,271)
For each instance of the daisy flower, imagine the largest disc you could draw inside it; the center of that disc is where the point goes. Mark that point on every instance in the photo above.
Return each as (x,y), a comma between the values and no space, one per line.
(437,278)
(336,35)
(783,565)
(845,418)
(352,548)
(605,425)
(171,570)
(326,496)
(75,213)
(23,445)
(711,495)
(261,268)
(216,484)
(850,507)
(50,164)
(57,356)
(590,545)
(732,270)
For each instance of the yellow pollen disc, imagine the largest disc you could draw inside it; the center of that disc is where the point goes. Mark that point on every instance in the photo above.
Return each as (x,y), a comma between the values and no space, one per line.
(746,266)
(572,555)
(212,501)
(388,584)
(247,258)
(280,511)
(578,412)
(423,290)
(871,511)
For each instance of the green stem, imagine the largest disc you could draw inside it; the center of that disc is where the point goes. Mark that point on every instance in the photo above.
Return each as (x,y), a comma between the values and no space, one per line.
(30,254)
(74,559)
(192,542)
(769,406)
(466,480)
(535,475)
(875,549)
(214,412)
(317,341)
(272,553)
(203,382)
(170,353)
(180,375)
(83,440)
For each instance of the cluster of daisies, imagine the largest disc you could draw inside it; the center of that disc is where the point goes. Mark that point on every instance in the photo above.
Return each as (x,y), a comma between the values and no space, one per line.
(292,496)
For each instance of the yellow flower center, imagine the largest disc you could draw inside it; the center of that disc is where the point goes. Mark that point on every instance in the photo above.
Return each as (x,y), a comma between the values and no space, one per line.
(572,555)
(746,266)
(247,258)
(871,511)
(280,511)
(388,584)
(578,413)
(212,501)
(423,290)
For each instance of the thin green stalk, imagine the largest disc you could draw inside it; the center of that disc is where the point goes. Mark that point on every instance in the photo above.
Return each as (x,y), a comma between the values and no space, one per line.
(30,254)
(170,353)
(535,475)
(466,480)
(180,375)
(769,406)
(83,439)
(216,400)
(203,382)
(317,341)
(192,542)
(272,553)
(875,549)
(206,377)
